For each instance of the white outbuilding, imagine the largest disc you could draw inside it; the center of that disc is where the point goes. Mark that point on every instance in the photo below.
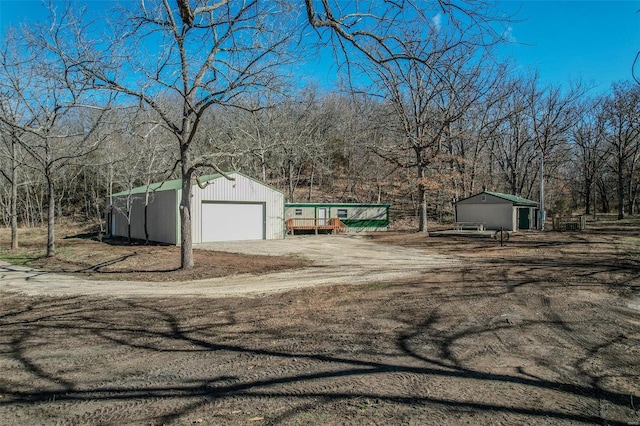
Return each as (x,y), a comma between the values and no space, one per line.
(221,210)
(494,210)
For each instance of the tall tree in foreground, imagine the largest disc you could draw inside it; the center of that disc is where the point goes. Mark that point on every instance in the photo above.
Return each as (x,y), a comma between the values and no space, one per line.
(199,54)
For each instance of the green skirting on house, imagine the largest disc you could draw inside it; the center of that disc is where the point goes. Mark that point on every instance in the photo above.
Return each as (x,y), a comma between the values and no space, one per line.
(366,223)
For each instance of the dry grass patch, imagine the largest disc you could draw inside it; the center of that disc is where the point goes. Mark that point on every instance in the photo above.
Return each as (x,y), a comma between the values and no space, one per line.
(80,252)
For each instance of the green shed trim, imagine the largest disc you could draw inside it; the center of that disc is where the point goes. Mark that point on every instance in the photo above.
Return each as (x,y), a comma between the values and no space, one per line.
(514,199)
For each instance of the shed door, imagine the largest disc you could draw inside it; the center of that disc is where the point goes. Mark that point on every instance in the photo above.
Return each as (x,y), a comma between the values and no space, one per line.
(232,221)
(524,221)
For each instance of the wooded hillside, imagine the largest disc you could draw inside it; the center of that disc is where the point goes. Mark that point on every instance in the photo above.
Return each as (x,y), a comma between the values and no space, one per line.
(422,119)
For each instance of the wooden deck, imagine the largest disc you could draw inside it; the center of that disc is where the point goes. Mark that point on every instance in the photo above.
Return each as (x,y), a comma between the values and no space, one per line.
(332,225)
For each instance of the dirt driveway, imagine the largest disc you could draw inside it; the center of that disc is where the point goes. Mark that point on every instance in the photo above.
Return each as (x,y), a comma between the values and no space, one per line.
(337,259)
(442,331)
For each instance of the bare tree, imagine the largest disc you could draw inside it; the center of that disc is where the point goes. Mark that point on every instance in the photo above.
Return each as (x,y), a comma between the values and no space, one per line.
(144,158)
(536,127)
(10,152)
(416,51)
(376,31)
(426,99)
(12,83)
(591,153)
(201,56)
(514,149)
(471,139)
(621,112)
(57,116)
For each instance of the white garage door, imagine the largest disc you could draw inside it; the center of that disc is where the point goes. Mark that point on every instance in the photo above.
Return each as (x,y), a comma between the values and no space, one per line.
(232,222)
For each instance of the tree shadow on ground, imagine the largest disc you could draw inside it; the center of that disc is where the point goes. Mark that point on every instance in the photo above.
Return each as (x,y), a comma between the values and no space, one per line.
(541,340)
(245,354)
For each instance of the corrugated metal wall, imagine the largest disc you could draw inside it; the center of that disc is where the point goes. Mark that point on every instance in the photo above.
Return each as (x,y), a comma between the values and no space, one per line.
(493,216)
(242,189)
(161,217)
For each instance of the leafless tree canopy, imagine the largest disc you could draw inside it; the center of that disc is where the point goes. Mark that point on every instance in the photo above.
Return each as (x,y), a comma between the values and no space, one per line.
(423,112)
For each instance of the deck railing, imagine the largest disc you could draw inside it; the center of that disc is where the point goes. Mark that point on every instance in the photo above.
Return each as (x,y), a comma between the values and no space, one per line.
(333,225)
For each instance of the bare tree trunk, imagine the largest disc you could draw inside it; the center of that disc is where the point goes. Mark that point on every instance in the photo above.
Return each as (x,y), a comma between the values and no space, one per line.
(290,182)
(26,217)
(313,169)
(422,199)
(186,244)
(14,197)
(632,192)
(51,215)
(604,197)
(146,218)
(587,195)
(620,173)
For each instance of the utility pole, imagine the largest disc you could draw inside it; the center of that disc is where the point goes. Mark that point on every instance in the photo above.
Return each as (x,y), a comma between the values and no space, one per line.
(543,214)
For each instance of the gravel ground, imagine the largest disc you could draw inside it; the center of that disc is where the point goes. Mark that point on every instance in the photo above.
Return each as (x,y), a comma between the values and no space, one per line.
(337,259)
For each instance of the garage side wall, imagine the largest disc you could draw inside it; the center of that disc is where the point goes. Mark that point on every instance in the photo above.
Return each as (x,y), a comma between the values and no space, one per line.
(241,190)
(161,217)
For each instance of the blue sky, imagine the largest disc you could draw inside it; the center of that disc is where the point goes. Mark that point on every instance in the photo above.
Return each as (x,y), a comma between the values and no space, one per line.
(592,40)
(595,41)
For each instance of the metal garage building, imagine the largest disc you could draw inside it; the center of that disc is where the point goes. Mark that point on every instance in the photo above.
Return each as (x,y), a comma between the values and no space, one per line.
(224,210)
(496,210)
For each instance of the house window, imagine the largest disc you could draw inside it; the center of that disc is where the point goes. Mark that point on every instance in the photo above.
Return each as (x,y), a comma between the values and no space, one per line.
(342,213)
(483,198)
(298,212)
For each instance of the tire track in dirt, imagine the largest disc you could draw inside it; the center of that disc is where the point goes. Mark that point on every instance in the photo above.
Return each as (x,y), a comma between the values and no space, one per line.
(459,348)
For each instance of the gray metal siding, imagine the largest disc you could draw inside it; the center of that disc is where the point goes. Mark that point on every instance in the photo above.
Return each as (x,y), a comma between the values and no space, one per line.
(161,217)
(493,216)
(240,190)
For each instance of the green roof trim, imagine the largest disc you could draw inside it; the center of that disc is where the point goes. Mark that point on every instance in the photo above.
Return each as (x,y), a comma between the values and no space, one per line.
(513,198)
(167,185)
(176,184)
